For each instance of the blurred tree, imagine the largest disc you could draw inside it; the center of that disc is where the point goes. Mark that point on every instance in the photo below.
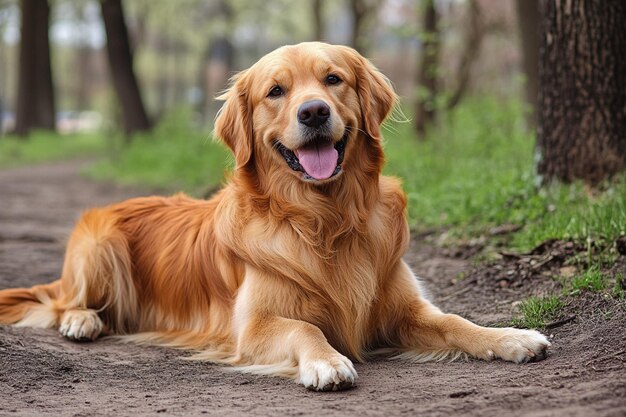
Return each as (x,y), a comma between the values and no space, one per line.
(35,94)
(529,18)
(582,96)
(82,59)
(317,8)
(3,67)
(361,11)
(474,34)
(121,65)
(427,76)
(219,58)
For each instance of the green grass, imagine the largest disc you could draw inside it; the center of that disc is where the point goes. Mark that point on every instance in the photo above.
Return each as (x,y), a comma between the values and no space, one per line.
(476,171)
(591,280)
(536,312)
(43,146)
(173,156)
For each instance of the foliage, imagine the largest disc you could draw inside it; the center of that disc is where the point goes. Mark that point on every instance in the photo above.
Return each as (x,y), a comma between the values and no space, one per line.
(46,146)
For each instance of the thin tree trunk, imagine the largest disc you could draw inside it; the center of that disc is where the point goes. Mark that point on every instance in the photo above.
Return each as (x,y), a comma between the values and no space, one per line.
(121,65)
(35,95)
(3,83)
(427,77)
(361,10)
(529,20)
(473,40)
(582,96)
(82,64)
(219,61)
(318,19)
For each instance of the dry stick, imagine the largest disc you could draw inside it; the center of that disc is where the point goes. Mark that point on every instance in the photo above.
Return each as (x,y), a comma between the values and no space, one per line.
(454,294)
(559,323)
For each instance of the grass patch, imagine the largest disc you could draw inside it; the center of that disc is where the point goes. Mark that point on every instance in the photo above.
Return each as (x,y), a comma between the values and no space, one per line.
(470,171)
(476,171)
(173,156)
(43,146)
(536,312)
(591,280)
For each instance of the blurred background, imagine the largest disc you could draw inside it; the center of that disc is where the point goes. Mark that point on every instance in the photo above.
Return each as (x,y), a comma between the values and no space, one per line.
(183,52)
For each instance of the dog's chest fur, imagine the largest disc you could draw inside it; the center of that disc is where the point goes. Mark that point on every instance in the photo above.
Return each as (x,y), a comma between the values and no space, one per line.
(335,290)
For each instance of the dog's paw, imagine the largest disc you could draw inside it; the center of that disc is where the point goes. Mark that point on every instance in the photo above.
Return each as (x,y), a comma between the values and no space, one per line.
(333,374)
(521,346)
(81,325)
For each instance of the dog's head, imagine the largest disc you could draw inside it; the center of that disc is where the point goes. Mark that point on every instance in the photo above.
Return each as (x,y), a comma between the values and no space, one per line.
(305,110)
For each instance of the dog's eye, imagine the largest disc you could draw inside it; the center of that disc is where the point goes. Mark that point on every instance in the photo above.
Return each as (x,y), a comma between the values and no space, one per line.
(332,79)
(276,91)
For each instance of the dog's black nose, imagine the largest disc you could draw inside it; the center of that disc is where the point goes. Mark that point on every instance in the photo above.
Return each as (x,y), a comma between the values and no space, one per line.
(313,113)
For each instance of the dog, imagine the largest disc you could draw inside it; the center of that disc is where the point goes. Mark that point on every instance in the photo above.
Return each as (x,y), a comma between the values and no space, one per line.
(294,268)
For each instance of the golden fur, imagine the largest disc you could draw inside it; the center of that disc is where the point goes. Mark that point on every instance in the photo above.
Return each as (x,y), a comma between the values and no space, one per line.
(275,274)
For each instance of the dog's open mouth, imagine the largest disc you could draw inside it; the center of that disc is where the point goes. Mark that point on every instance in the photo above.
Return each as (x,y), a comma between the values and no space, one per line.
(319,159)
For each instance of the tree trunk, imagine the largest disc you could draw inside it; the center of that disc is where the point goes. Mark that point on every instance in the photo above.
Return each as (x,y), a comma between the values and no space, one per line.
(474,34)
(82,63)
(529,19)
(318,19)
(35,94)
(361,10)
(3,83)
(582,96)
(121,64)
(427,77)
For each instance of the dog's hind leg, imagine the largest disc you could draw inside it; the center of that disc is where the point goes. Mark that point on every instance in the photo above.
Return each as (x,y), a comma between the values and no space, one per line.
(97,288)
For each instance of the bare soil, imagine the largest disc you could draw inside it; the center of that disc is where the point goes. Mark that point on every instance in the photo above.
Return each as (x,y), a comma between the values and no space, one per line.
(43,374)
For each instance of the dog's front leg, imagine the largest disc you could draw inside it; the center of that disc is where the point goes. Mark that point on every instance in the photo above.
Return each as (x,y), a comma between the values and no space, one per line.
(266,337)
(422,330)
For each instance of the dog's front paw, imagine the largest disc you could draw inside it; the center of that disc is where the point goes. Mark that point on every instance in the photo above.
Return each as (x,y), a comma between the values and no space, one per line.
(521,346)
(81,325)
(332,374)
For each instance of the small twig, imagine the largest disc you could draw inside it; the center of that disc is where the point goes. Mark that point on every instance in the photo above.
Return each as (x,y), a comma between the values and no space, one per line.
(454,294)
(560,323)
(461,394)
(542,263)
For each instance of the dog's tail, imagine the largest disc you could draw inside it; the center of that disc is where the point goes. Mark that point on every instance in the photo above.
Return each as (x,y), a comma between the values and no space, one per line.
(34,307)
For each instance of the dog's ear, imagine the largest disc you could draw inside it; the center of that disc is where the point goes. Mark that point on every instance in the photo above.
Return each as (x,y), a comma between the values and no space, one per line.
(375,93)
(233,124)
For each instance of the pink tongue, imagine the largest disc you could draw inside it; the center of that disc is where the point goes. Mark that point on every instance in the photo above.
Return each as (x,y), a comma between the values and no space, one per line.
(319,160)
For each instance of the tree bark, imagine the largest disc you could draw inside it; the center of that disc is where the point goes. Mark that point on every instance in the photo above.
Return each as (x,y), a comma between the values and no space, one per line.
(35,94)
(317,8)
(427,77)
(582,96)
(529,19)
(120,56)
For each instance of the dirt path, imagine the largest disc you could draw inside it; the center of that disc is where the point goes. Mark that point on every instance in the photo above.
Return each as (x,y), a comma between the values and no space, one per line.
(43,374)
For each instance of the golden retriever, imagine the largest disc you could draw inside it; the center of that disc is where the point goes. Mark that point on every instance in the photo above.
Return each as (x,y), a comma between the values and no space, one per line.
(295,267)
